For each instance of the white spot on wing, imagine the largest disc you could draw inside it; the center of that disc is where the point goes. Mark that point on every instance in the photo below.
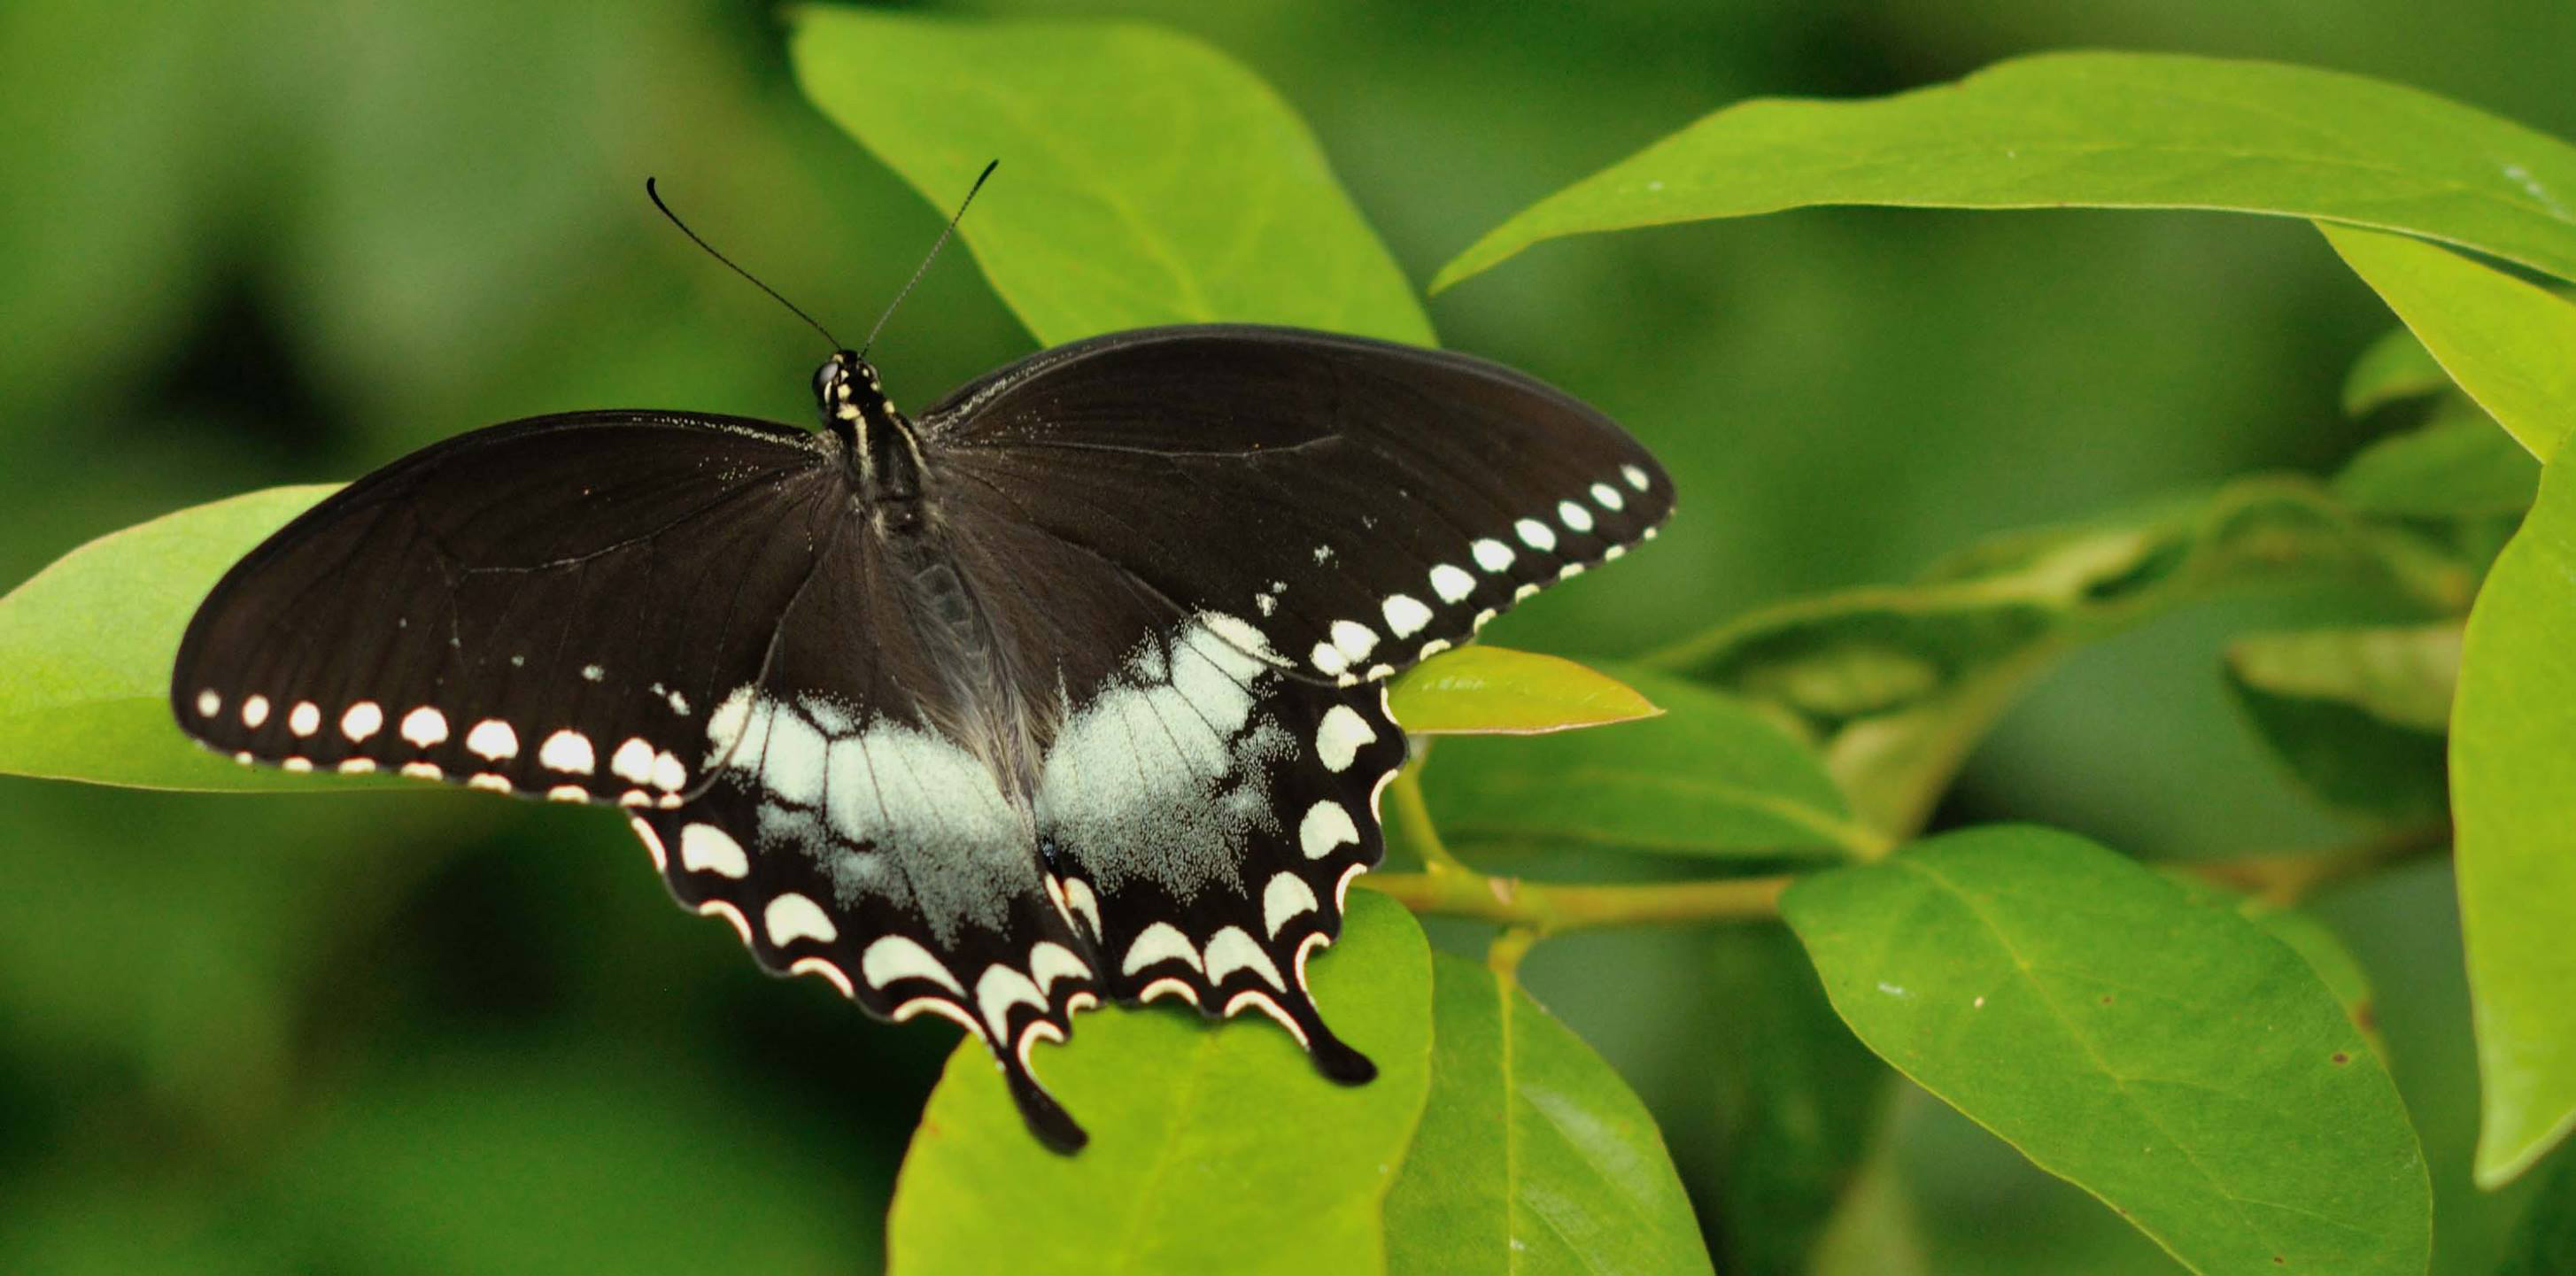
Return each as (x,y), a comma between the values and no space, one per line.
(1636,477)
(424,727)
(298,765)
(1284,899)
(568,751)
(1492,555)
(1339,736)
(493,738)
(305,718)
(1230,950)
(209,703)
(254,711)
(1433,648)
(363,720)
(1326,826)
(1607,497)
(1078,899)
(633,760)
(1329,658)
(1453,585)
(1535,534)
(1405,614)
(704,848)
(1353,639)
(792,917)
(1050,961)
(999,989)
(1574,516)
(668,775)
(592,673)
(897,957)
(1161,941)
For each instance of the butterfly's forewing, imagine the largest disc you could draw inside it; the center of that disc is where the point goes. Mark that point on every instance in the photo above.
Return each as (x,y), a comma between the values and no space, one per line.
(686,617)
(1364,504)
(1311,513)
(549,607)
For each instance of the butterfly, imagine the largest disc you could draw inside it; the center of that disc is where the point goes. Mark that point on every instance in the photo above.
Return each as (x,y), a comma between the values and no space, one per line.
(1071,688)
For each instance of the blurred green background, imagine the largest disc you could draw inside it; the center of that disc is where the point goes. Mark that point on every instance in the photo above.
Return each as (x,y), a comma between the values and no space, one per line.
(288,240)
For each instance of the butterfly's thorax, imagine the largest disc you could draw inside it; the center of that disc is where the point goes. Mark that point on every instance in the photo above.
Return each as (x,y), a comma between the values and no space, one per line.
(894,500)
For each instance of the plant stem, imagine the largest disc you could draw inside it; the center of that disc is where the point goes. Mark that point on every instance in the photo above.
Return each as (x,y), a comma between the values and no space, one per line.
(1531,911)
(1547,908)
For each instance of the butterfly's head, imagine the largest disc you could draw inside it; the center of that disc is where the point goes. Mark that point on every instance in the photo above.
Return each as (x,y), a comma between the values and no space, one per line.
(847,393)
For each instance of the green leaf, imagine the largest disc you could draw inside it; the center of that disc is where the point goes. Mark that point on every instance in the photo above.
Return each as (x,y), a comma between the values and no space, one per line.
(1533,1155)
(2358,715)
(2162,1053)
(89,642)
(1481,690)
(2507,342)
(2115,130)
(2545,1243)
(1802,1102)
(1213,1148)
(1895,684)
(2324,951)
(2457,466)
(1709,777)
(2513,799)
(1146,178)
(2395,367)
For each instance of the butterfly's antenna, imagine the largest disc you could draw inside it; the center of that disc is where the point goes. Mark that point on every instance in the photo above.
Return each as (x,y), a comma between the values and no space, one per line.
(927,258)
(656,197)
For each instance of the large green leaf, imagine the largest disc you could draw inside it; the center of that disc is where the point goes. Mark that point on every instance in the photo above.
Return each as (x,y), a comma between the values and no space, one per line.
(2510,344)
(1895,683)
(1533,1155)
(2122,130)
(1481,690)
(2513,799)
(88,644)
(2161,1052)
(1212,1148)
(1709,777)
(2358,715)
(1146,178)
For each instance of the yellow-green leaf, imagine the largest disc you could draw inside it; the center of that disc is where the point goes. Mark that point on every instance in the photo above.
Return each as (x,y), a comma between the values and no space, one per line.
(1533,1156)
(1146,178)
(1213,1148)
(2513,803)
(2510,344)
(88,644)
(2120,130)
(1481,690)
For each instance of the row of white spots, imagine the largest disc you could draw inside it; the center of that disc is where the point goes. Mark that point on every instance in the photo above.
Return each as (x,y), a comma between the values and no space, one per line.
(567,751)
(1348,642)
(1229,950)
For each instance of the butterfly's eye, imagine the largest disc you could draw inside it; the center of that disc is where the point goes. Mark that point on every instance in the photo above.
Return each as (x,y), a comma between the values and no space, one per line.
(828,380)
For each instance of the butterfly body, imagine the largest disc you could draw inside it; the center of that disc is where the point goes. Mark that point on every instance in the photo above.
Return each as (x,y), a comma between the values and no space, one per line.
(1070,690)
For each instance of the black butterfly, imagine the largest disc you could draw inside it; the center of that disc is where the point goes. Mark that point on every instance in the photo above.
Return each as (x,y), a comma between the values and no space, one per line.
(1073,688)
